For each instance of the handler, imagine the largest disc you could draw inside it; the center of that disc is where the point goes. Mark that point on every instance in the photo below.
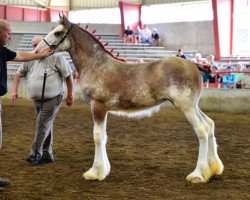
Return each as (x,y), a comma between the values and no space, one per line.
(8,55)
(57,71)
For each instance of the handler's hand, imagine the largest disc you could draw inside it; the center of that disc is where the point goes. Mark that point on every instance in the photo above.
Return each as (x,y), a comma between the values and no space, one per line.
(69,100)
(46,53)
(14,96)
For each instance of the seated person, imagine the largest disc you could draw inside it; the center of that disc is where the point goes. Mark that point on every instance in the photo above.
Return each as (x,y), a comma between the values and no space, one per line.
(137,35)
(128,35)
(246,78)
(211,61)
(229,79)
(239,75)
(139,60)
(155,38)
(181,54)
(146,36)
(214,77)
(199,60)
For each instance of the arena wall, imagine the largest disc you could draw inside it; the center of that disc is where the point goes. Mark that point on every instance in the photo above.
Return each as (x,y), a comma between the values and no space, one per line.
(197,35)
(216,100)
(45,27)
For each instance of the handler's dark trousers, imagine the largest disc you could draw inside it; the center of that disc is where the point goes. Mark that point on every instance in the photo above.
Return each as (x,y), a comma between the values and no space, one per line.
(1,133)
(45,116)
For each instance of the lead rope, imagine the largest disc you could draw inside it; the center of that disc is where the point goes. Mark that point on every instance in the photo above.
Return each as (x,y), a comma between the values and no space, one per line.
(41,109)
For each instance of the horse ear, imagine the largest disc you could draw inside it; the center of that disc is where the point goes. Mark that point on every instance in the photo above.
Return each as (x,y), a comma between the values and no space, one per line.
(61,16)
(63,19)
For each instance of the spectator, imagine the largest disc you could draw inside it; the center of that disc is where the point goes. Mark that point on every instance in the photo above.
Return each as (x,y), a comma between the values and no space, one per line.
(139,60)
(181,54)
(229,79)
(199,60)
(156,40)
(8,55)
(215,77)
(246,78)
(137,35)
(46,108)
(211,61)
(206,77)
(128,36)
(238,74)
(146,36)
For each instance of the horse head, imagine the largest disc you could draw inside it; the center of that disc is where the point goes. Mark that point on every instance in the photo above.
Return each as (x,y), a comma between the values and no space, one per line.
(57,39)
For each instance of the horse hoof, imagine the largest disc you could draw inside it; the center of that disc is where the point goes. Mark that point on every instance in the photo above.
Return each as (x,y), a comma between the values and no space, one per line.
(195,179)
(89,176)
(93,174)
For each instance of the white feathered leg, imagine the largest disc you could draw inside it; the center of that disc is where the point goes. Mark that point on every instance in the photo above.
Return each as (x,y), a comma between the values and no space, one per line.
(215,164)
(201,173)
(101,166)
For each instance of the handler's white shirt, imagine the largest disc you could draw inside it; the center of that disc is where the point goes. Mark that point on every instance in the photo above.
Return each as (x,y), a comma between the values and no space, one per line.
(57,69)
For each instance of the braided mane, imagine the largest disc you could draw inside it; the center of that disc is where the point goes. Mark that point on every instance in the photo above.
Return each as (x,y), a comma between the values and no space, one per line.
(100,44)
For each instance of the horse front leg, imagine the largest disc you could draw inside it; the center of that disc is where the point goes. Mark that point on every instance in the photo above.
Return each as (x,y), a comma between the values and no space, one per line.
(101,166)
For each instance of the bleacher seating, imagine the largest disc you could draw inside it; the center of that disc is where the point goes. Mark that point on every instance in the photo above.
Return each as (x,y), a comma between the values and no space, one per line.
(127,51)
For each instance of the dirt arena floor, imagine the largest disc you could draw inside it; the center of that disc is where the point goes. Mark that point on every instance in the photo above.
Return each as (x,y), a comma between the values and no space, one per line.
(150,158)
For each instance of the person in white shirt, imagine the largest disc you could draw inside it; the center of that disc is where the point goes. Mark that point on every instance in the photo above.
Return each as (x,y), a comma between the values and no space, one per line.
(246,78)
(146,35)
(58,72)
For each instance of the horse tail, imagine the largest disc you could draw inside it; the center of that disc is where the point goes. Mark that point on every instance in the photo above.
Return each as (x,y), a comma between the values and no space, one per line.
(204,68)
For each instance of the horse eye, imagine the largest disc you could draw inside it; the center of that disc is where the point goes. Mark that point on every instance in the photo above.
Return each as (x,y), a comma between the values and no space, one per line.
(57,33)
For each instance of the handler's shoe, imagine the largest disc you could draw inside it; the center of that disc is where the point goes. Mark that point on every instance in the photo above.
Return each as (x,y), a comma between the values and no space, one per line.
(4,182)
(39,160)
(33,159)
(46,160)
(1,189)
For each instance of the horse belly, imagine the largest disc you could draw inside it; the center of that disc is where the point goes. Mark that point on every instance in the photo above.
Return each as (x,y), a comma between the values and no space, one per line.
(136,112)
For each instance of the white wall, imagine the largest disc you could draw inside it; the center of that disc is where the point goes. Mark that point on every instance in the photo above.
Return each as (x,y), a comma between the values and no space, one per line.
(188,35)
(45,27)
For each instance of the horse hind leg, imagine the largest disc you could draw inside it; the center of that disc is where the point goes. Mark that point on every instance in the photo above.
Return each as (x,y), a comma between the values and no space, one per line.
(201,174)
(101,166)
(215,164)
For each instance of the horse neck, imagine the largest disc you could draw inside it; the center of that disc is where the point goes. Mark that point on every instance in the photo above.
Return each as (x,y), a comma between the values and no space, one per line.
(86,52)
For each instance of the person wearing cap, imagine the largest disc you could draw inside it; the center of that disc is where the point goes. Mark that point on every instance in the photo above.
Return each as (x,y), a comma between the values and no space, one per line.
(5,56)
(47,105)
(155,37)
